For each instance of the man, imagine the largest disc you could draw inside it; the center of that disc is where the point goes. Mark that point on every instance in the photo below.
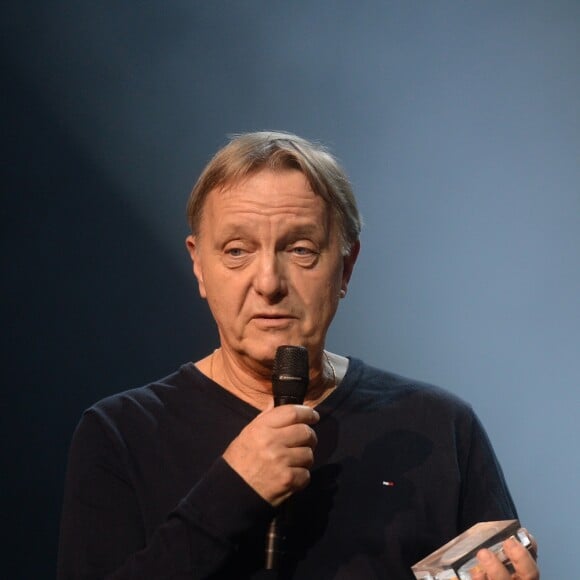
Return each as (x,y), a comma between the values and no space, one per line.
(181,478)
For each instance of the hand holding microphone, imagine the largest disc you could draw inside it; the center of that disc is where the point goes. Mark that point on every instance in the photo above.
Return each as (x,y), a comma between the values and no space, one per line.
(274,452)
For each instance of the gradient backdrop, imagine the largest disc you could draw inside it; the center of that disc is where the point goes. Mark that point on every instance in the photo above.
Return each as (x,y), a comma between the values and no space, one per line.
(458,123)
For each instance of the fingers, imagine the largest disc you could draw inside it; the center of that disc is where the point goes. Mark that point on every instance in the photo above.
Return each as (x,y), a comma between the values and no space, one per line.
(299,435)
(491,567)
(291,424)
(534,547)
(524,564)
(275,451)
(289,481)
(291,428)
(291,414)
(525,567)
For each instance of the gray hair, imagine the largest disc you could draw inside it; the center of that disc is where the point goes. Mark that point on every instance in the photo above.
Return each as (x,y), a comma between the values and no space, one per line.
(250,152)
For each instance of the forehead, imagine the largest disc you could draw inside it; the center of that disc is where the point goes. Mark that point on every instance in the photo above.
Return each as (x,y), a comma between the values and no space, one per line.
(284,192)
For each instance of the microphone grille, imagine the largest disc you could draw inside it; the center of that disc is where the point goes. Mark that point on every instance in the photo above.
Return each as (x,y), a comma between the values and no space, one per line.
(291,361)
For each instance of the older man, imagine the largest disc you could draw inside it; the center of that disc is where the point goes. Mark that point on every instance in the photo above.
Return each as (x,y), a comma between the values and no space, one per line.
(181,478)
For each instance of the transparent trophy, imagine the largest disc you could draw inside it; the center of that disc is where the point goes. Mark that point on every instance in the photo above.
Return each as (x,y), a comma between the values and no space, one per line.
(457,559)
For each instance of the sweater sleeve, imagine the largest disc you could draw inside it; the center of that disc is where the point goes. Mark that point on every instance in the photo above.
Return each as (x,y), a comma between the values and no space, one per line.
(484,493)
(102,529)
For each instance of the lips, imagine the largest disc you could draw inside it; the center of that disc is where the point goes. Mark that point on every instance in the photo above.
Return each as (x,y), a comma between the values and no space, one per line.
(272,316)
(270,319)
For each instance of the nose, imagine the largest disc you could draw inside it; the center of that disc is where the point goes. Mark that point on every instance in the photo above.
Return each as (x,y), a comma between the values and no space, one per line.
(270,278)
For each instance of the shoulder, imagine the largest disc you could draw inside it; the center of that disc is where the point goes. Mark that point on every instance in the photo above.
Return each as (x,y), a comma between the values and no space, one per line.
(399,402)
(392,389)
(148,404)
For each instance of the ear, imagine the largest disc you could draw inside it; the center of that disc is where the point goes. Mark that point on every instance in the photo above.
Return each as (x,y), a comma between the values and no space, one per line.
(348,266)
(192,246)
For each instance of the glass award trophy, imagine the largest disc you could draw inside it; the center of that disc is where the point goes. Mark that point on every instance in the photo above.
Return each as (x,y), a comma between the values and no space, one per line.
(457,559)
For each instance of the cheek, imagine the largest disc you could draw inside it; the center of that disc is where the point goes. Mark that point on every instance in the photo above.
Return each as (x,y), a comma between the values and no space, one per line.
(226,317)
(320,296)
(333,284)
(225,297)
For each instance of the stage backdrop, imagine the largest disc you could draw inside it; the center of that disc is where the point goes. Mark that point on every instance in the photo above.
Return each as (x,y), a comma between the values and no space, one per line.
(458,123)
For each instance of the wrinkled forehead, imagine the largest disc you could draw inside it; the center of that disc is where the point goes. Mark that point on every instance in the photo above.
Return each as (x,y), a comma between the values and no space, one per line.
(265,187)
(285,198)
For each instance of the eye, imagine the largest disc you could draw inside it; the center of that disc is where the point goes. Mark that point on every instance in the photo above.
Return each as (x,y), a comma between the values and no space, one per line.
(235,256)
(303,251)
(305,255)
(235,252)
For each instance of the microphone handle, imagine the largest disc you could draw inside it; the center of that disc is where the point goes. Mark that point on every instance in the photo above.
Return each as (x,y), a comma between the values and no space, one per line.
(289,384)
(273,546)
(275,537)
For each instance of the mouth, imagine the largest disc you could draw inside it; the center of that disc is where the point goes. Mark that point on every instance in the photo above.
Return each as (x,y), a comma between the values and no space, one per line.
(272,320)
(274,316)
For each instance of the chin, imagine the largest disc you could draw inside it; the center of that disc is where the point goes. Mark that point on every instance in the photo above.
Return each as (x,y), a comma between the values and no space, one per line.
(264,350)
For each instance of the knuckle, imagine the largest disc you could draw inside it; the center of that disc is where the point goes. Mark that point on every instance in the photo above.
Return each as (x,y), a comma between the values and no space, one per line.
(303,479)
(266,441)
(306,458)
(293,413)
(308,436)
(270,455)
(313,438)
(287,479)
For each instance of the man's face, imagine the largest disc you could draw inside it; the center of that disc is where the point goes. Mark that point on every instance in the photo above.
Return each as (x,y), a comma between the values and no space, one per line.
(267,259)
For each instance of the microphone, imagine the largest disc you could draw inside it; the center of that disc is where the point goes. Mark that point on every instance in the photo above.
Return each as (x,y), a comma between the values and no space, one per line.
(289,385)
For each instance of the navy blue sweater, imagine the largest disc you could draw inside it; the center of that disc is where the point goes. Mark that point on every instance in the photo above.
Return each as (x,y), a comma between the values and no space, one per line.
(401,468)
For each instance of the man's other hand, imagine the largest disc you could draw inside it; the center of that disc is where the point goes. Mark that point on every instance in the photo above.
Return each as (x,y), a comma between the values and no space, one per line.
(524,563)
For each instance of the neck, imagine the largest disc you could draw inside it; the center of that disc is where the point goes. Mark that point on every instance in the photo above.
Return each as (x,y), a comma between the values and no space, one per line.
(254,385)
